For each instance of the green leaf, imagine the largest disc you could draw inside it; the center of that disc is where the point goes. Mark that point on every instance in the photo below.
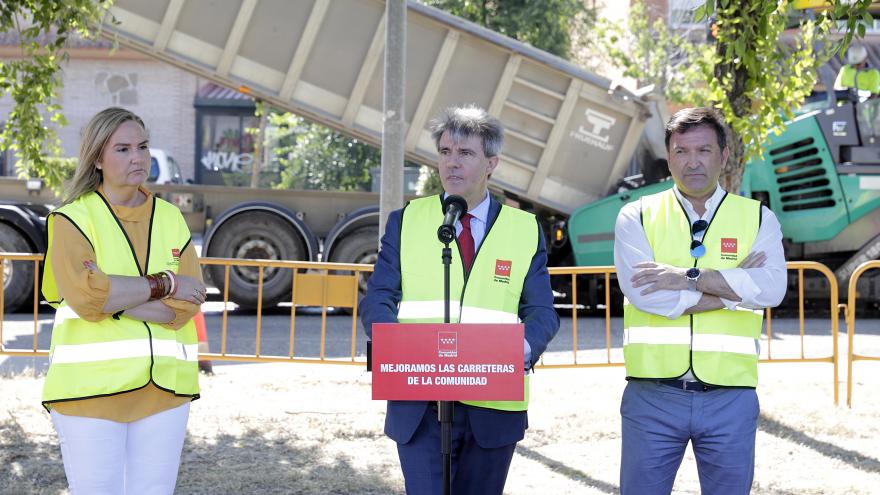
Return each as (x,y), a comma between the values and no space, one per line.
(32,81)
(701,13)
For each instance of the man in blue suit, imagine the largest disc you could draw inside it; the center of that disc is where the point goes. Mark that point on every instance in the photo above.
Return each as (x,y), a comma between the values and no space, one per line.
(484,434)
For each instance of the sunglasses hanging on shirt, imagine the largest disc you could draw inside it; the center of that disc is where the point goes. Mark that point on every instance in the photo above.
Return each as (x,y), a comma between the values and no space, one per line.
(698,250)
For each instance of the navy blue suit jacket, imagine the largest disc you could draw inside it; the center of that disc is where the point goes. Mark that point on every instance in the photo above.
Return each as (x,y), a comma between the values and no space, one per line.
(491,428)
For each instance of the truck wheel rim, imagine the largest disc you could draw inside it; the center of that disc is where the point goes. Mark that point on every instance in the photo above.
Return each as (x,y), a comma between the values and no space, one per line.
(363,277)
(256,249)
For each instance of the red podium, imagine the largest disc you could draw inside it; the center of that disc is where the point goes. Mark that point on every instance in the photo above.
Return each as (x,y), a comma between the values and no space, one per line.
(447,362)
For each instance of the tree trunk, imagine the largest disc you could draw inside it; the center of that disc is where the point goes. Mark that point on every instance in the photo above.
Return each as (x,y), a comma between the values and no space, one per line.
(731,173)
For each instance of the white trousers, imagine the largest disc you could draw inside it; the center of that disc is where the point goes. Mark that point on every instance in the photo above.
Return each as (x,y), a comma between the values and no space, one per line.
(103,457)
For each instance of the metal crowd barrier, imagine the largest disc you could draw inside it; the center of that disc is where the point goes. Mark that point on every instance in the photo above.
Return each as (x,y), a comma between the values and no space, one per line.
(36,259)
(834,307)
(606,271)
(315,285)
(573,272)
(309,289)
(852,298)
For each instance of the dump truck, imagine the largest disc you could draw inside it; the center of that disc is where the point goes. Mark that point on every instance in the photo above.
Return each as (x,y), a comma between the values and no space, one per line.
(570,134)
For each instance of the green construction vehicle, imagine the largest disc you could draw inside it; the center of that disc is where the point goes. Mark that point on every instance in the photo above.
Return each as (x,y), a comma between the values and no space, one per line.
(821,177)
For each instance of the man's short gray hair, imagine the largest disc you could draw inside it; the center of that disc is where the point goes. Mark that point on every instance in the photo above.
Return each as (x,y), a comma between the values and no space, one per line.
(471,120)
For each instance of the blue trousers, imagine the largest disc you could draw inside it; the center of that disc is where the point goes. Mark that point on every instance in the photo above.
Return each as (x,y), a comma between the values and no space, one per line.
(658,421)
(475,470)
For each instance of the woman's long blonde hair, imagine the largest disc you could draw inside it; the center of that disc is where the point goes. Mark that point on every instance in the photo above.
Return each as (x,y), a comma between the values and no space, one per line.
(97,132)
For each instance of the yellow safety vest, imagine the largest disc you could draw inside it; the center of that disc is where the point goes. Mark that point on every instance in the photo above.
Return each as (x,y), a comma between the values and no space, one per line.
(484,296)
(865,79)
(721,346)
(112,356)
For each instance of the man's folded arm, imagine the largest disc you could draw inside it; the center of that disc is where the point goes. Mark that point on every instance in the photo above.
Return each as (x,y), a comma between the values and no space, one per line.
(761,286)
(631,247)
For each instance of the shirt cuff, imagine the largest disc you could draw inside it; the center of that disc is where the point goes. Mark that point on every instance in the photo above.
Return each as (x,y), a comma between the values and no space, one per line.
(731,305)
(686,300)
(527,354)
(742,284)
(183,312)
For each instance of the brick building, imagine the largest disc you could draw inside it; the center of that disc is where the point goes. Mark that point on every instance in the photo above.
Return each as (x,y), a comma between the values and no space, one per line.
(170,100)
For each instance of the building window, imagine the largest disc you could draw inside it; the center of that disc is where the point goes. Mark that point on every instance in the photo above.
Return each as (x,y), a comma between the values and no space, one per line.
(226,147)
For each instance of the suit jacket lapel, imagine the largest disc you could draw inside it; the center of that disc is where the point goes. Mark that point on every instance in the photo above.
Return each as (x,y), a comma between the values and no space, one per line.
(494,210)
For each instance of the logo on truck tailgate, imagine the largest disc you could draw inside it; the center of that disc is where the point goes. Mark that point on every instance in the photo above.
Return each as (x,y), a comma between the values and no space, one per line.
(595,132)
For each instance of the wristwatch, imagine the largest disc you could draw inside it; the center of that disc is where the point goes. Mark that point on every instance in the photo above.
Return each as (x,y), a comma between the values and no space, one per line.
(692,275)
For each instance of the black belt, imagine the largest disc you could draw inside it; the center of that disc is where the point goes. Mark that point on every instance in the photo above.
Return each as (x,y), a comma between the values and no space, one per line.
(687,385)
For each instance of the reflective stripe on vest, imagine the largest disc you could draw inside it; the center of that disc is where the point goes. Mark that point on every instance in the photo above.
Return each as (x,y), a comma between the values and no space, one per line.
(90,359)
(490,295)
(432,310)
(722,346)
(682,336)
(123,349)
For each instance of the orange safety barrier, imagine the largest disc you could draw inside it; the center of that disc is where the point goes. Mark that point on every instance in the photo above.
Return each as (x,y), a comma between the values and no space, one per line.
(36,259)
(606,271)
(834,307)
(573,272)
(852,298)
(315,285)
(321,289)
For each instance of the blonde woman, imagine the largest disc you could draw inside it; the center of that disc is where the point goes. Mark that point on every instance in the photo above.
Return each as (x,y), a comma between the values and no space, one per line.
(125,280)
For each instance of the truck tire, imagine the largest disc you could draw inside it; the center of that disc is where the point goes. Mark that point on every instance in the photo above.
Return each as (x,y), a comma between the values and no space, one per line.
(360,246)
(256,235)
(18,276)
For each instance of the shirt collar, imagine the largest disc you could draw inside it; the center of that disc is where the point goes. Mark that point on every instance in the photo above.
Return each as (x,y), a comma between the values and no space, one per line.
(481,212)
(711,203)
(141,212)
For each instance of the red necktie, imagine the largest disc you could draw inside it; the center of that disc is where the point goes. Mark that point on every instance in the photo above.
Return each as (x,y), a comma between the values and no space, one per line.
(466,241)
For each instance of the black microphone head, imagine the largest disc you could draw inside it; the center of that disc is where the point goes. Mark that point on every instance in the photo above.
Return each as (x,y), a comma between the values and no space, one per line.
(456,200)
(446,234)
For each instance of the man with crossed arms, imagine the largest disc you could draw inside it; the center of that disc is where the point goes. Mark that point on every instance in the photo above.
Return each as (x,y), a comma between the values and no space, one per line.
(697,266)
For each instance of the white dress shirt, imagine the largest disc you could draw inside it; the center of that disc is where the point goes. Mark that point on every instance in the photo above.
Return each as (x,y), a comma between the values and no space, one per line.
(757,287)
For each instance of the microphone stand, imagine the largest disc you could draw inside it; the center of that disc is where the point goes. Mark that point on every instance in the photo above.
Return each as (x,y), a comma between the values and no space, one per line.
(453,207)
(445,412)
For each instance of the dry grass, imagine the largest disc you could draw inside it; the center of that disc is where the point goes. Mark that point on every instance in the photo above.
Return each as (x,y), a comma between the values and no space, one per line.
(280,428)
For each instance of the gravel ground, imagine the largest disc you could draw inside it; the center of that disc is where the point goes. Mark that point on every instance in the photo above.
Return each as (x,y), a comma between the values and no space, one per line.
(287,428)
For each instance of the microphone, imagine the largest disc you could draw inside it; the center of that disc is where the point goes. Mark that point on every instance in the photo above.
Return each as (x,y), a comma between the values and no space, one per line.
(453,208)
